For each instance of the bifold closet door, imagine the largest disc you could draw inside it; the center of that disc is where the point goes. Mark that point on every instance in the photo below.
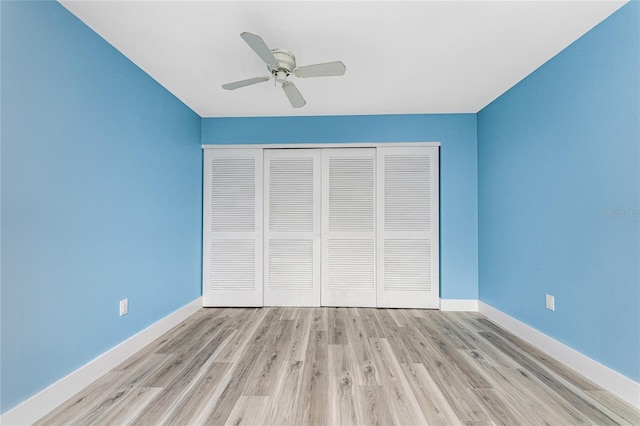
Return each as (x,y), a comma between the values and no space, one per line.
(232,240)
(292,227)
(408,227)
(348,227)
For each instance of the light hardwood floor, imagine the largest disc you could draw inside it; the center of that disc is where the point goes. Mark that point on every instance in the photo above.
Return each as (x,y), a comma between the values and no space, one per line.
(341,366)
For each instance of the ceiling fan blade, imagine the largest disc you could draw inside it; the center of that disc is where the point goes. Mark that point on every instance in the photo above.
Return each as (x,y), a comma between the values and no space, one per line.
(260,47)
(294,95)
(243,83)
(327,69)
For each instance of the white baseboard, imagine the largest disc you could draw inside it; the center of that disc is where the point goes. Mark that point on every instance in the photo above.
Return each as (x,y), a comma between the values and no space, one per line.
(459,305)
(43,402)
(603,376)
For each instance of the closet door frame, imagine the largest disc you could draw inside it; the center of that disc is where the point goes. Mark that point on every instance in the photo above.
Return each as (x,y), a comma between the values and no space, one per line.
(258,301)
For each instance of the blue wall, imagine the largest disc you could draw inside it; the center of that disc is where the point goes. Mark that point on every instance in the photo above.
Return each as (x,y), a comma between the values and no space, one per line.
(559,191)
(101,198)
(458,170)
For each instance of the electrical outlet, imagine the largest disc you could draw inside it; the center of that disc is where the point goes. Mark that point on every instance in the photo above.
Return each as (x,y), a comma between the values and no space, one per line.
(551,302)
(124,307)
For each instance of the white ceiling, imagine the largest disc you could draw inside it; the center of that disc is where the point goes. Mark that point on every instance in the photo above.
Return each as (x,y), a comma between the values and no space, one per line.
(401,57)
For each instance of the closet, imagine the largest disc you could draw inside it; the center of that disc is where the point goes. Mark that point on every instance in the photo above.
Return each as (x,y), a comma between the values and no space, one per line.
(321,226)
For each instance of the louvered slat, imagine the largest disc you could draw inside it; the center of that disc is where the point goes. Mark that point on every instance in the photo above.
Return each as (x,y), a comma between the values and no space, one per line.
(233,194)
(232,265)
(407,265)
(291,265)
(291,194)
(351,264)
(406,193)
(351,195)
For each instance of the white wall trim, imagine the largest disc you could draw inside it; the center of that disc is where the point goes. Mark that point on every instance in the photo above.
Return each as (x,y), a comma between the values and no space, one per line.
(459,305)
(603,376)
(321,145)
(43,402)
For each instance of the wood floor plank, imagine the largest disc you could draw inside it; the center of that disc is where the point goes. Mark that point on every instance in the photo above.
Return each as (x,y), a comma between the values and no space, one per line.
(249,411)
(450,382)
(370,323)
(320,319)
(447,351)
(565,385)
(400,317)
(549,363)
(235,348)
(81,403)
(464,404)
(189,338)
(174,392)
(529,406)
(554,411)
(225,402)
(129,408)
(366,373)
(532,407)
(88,403)
(312,405)
(386,322)
(434,405)
(404,345)
(265,326)
(626,412)
(337,333)
(290,314)
(99,395)
(193,407)
(340,387)
(449,330)
(546,376)
(152,348)
(471,335)
(403,405)
(286,396)
(372,405)
(271,360)
(500,412)
(338,366)
(300,335)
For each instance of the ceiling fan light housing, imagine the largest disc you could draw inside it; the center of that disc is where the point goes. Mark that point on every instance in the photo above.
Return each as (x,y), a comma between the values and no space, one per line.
(281,76)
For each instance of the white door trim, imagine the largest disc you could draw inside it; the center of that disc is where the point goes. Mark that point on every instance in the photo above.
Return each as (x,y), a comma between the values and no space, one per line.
(322,145)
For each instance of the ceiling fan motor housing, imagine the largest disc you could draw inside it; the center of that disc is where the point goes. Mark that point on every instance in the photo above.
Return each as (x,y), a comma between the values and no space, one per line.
(286,61)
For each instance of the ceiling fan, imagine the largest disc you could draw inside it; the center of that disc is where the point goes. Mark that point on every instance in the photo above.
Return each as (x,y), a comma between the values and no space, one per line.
(281,63)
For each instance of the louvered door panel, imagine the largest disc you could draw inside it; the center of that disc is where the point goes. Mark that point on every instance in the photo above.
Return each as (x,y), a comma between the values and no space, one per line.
(407,227)
(351,264)
(292,227)
(348,227)
(232,240)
